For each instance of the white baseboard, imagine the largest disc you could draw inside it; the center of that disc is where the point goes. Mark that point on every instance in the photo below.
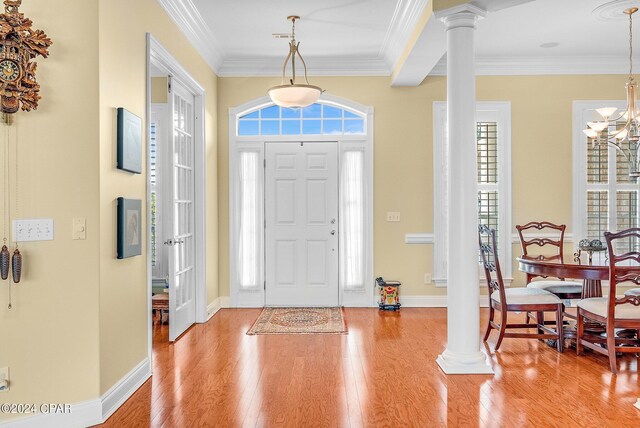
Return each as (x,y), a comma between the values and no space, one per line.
(213,308)
(219,303)
(121,391)
(81,415)
(91,412)
(433,301)
(225,302)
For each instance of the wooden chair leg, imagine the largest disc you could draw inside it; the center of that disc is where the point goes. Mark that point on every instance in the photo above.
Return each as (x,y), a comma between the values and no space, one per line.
(491,314)
(579,333)
(503,327)
(540,321)
(611,349)
(560,328)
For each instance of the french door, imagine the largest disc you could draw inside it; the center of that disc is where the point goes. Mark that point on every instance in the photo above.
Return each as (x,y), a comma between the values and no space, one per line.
(179,202)
(301,220)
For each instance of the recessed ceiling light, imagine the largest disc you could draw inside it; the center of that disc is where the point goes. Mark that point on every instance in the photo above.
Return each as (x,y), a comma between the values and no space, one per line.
(550,45)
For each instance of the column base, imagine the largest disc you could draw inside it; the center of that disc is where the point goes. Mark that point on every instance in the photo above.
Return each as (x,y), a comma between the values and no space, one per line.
(464,363)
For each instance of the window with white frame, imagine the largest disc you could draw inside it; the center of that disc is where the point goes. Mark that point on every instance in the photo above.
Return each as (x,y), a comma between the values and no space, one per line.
(493,148)
(316,119)
(605,199)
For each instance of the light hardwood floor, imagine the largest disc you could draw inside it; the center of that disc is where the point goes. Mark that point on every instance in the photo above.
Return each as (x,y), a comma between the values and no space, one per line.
(382,374)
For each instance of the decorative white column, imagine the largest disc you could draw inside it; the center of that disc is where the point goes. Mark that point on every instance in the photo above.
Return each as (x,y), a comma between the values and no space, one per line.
(463,355)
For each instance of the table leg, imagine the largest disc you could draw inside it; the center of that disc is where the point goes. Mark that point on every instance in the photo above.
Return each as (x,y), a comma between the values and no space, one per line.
(591,288)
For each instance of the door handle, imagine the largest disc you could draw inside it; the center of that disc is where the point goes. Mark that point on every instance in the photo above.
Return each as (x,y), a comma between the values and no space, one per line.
(169,242)
(333,232)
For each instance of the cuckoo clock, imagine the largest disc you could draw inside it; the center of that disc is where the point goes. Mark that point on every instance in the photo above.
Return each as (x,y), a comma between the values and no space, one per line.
(19,45)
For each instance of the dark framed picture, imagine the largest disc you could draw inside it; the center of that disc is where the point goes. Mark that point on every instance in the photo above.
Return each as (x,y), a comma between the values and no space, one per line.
(129,227)
(129,141)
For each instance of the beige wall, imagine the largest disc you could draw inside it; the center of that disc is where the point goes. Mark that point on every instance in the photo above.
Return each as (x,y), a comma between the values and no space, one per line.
(159,90)
(123,287)
(50,337)
(79,321)
(403,178)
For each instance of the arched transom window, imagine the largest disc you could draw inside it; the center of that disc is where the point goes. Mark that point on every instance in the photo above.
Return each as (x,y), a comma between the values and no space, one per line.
(317,119)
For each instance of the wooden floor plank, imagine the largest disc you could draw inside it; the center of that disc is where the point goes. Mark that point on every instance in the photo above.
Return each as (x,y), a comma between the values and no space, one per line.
(383,373)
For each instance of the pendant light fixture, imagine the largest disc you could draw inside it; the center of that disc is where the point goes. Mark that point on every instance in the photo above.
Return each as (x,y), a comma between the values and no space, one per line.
(292,94)
(625,138)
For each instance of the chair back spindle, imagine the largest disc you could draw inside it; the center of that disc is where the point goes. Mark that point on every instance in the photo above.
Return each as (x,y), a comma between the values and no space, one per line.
(544,241)
(491,263)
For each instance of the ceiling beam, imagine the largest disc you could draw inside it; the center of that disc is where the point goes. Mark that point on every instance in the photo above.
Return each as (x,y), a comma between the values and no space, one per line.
(428,46)
(423,52)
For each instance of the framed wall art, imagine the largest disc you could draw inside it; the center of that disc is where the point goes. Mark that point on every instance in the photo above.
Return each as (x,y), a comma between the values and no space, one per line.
(129,227)
(129,141)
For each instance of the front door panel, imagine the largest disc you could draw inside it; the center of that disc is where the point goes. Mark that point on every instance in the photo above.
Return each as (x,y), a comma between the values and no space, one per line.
(301,212)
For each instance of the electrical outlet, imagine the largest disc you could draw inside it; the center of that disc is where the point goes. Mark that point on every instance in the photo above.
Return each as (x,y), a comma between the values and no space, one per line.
(427,278)
(393,216)
(4,379)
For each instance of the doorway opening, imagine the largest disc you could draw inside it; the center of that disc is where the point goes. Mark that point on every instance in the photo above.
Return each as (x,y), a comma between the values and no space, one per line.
(301,204)
(175,197)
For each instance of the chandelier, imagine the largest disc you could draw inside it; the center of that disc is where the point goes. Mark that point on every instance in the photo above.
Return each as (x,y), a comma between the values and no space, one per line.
(625,138)
(292,94)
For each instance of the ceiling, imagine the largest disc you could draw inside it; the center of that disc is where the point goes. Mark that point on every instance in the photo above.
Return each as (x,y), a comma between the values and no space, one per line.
(367,37)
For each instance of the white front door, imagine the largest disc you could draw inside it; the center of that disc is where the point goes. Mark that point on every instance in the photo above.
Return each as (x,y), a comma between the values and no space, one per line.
(301,213)
(179,227)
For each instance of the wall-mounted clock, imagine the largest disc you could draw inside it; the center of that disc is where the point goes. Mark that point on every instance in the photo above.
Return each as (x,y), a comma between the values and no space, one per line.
(19,45)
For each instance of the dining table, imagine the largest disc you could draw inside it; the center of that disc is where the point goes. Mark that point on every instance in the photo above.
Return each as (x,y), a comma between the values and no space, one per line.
(592,273)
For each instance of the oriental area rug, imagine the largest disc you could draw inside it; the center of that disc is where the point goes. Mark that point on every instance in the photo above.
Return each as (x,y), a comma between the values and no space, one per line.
(300,321)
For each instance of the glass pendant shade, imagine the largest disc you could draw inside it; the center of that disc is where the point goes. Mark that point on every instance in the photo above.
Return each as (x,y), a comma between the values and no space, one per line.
(295,96)
(606,112)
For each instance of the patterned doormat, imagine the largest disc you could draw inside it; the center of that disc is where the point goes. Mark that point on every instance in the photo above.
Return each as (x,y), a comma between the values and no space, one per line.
(300,321)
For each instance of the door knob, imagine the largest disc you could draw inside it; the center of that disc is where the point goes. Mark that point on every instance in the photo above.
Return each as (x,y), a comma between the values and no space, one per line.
(169,242)
(333,232)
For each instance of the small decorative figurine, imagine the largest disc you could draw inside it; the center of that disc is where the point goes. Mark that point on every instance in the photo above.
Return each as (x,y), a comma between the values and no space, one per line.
(19,45)
(389,295)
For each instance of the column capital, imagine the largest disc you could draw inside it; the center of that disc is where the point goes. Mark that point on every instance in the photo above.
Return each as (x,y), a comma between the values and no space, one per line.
(465,15)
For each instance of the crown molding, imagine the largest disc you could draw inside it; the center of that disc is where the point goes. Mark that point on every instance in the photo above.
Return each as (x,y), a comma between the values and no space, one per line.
(325,66)
(403,23)
(504,66)
(186,16)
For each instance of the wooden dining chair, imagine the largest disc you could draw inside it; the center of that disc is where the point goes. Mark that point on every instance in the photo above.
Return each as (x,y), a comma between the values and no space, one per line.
(535,247)
(541,244)
(515,299)
(612,311)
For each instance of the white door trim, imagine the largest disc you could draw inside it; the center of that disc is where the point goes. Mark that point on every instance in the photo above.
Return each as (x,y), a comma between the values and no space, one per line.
(161,58)
(237,144)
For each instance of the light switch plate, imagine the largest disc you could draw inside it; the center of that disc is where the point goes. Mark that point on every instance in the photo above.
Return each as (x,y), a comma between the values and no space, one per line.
(40,229)
(79,228)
